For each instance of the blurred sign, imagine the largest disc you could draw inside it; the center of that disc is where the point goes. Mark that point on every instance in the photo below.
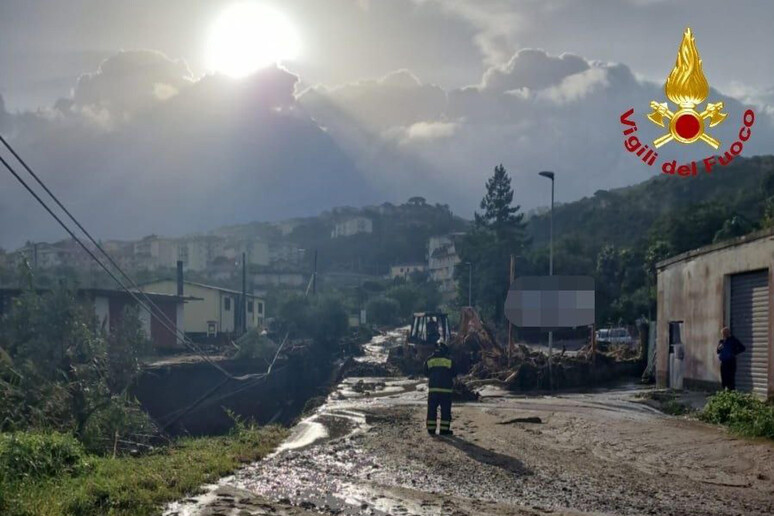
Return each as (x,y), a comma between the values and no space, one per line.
(551,302)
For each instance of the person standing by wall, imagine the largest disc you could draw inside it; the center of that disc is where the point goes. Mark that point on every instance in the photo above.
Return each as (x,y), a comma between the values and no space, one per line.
(728,348)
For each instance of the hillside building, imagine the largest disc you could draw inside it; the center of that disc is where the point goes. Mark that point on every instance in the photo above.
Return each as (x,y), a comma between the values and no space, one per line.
(405,270)
(352,226)
(441,262)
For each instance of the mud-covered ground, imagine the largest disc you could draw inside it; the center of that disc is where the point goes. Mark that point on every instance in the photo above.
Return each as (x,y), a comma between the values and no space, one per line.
(366,452)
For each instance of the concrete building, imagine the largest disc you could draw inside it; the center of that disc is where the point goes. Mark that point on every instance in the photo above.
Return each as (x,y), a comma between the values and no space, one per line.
(441,262)
(216,313)
(352,226)
(699,292)
(153,252)
(405,270)
(109,308)
(284,256)
(268,279)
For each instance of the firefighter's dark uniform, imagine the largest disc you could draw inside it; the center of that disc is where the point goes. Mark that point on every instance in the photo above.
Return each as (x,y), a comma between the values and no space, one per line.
(440,371)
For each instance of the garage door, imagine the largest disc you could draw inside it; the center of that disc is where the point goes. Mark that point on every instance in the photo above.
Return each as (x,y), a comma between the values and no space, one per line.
(750,324)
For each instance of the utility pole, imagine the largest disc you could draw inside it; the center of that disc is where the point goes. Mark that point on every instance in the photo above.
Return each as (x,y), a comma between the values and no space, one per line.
(314,274)
(244,293)
(512,276)
(470,284)
(550,175)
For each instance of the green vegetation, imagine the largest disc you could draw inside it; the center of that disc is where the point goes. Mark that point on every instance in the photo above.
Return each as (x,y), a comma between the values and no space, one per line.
(496,234)
(743,414)
(49,474)
(618,236)
(666,401)
(60,371)
(400,234)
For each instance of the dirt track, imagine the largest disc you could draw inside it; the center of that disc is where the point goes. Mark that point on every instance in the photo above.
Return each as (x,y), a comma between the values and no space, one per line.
(601,453)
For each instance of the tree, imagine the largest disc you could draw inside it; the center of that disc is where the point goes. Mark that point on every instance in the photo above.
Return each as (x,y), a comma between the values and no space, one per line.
(499,214)
(496,234)
(383,310)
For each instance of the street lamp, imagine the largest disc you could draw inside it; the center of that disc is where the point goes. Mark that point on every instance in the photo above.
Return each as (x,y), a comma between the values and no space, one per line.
(550,175)
(470,283)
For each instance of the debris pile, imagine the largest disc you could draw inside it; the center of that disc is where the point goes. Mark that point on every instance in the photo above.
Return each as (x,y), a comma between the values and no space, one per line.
(356,369)
(483,361)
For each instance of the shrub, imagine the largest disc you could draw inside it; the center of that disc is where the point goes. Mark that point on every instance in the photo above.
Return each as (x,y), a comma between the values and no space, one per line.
(744,414)
(383,310)
(255,346)
(39,454)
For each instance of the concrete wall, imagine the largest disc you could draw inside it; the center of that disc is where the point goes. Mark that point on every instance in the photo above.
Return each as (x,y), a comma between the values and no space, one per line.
(695,288)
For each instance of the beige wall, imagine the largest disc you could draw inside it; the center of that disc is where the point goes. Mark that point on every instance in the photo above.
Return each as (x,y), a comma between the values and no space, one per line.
(210,308)
(695,290)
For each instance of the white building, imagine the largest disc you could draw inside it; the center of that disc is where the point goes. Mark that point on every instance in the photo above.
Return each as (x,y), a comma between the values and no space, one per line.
(405,270)
(442,259)
(352,226)
(153,252)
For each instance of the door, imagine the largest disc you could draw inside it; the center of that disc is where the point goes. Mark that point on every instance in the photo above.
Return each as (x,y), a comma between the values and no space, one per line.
(750,324)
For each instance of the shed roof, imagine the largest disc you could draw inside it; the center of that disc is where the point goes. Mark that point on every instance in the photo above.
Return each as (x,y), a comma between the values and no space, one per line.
(734,242)
(202,285)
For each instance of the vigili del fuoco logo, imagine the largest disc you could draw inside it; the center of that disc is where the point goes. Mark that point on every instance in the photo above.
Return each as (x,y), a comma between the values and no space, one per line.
(687,88)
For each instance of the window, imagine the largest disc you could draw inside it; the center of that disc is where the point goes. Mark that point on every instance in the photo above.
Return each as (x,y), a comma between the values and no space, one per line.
(227,304)
(250,307)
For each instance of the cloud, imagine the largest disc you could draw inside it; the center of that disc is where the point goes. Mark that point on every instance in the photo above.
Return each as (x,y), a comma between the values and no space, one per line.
(398,98)
(535,112)
(431,130)
(125,84)
(141,147)
(533,69)
(216,151)
(496,21)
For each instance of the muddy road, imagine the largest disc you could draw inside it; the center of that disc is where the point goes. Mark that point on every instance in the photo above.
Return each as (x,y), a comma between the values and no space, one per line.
(366,452)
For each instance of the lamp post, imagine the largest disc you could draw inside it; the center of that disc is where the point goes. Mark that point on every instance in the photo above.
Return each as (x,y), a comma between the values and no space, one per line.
(470,283)
(550,175)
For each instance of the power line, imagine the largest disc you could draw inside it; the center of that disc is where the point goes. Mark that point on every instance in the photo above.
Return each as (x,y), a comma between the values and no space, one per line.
(178,333)
(166,322)
(91,254)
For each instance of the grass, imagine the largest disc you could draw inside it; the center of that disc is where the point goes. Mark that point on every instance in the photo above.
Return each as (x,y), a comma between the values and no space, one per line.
(666,402)
(743,414)
(137,485)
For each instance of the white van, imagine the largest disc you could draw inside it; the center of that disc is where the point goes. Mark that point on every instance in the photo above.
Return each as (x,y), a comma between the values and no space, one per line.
(615,336)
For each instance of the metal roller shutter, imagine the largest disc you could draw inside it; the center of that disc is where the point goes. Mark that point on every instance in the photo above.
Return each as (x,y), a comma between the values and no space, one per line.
(750,324)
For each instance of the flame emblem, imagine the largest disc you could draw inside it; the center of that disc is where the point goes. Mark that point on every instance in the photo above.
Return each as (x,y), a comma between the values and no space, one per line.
(687,87)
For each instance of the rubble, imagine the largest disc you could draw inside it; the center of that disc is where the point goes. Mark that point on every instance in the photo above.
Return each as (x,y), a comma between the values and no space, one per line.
(486,362)
(356,369)
(482,360)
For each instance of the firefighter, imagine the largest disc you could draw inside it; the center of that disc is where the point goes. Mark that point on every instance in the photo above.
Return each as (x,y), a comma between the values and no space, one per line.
(440,372)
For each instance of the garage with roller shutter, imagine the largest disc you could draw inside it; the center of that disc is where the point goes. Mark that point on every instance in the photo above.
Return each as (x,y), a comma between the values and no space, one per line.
(699,292)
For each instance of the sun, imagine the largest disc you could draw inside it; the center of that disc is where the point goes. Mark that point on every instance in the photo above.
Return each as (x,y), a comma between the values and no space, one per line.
(249,36)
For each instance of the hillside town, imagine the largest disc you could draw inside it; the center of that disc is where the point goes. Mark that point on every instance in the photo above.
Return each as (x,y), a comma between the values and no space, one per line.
(386,258)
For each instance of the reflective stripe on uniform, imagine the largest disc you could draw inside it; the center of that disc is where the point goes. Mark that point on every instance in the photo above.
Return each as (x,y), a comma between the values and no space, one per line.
(440,389)
(439,362)
(431,424)
(446,424)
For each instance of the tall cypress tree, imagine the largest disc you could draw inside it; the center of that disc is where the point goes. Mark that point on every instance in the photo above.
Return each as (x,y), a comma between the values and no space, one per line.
(498,232)
(499,213)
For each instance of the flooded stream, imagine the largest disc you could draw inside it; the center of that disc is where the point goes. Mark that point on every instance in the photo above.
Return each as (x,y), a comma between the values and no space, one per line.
(318,465)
